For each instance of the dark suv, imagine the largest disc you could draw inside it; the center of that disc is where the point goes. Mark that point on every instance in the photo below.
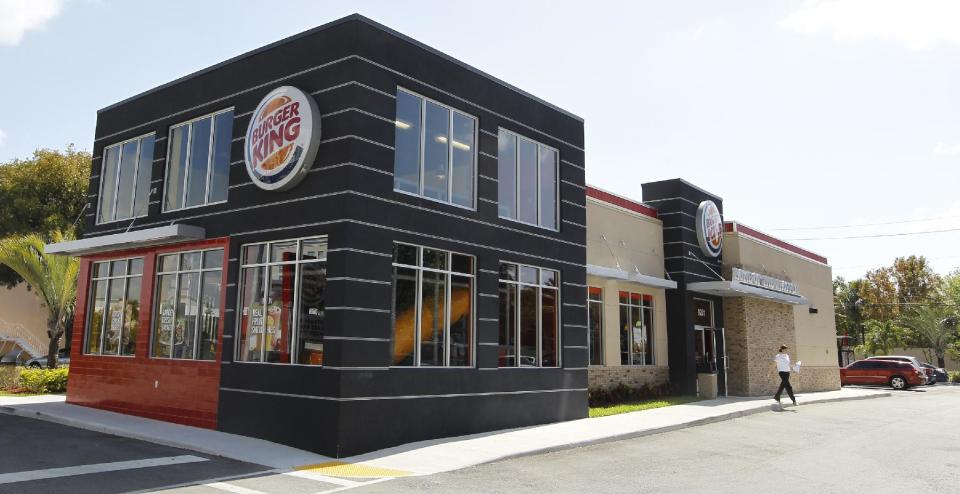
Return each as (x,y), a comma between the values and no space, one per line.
(896,374)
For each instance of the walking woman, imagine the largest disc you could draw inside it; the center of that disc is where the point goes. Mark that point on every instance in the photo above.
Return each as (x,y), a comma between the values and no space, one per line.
(783,368)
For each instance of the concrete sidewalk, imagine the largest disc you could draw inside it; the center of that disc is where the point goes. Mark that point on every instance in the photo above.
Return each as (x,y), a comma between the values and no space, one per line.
(421,458)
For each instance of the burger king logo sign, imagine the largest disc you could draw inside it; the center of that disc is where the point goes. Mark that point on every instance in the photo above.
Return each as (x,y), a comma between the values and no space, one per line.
(282,138)
(709,228)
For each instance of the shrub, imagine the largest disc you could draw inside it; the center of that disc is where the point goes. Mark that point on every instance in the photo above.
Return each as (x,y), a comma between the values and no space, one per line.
(9,376)
(44,380)
(954,376)
(621,393)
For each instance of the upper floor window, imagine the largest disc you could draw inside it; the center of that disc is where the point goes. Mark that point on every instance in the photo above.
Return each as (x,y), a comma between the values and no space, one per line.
(114,307)
(198,161)
(433,307)
(283,302)
(529,316)
(435,150)
(187,317)
(125,179)
(527,180)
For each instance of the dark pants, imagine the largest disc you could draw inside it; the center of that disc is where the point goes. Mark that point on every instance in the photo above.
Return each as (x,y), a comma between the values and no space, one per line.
(784,385)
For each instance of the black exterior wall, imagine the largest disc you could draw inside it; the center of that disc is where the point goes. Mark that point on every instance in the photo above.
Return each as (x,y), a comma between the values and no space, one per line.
(677,201)
(356,402)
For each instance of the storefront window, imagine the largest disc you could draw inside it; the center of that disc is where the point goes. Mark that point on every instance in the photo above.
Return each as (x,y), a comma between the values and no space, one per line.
(434,150)
(187,308)
(595,324)
(527,180)
(125,179)
(704,336)
(282,301)
(114,307)
(198,161)
(433,307)
(529,316)
(636,329)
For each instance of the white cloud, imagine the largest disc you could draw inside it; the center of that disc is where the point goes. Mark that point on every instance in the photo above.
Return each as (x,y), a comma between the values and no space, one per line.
(946,149)
(920,24)
(3,137)
(19,16)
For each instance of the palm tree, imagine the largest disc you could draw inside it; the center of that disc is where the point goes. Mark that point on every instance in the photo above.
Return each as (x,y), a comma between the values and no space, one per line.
(934,326)
(52,278)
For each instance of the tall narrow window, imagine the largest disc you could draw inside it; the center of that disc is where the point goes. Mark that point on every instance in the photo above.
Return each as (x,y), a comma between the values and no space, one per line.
(595,324)
(527,180)
(187,311)
(125,179)
(283,301)
(529,316)
(636,329)
(198,161)
(433,307)
(434,150)
(114,307)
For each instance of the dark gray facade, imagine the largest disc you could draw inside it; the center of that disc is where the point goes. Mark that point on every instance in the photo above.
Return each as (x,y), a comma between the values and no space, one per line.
(358,402)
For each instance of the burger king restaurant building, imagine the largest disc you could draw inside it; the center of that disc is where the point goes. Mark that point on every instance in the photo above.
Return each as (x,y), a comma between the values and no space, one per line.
(347,240)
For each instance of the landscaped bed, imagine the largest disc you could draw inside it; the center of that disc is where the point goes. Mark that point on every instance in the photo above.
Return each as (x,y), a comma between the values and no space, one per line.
(605,410)
(20,381)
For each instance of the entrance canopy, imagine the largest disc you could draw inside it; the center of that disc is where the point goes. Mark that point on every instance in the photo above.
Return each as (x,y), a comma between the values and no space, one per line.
(638,278)
(150,237)
(738,289)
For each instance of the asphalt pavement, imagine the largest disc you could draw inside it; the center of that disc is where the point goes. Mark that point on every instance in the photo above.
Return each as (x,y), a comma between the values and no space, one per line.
(908,442)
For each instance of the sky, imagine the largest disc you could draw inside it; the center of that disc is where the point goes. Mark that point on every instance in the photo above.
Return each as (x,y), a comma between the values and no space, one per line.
(815,121)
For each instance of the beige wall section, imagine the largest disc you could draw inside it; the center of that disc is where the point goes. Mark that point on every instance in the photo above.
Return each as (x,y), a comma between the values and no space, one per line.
(815,341)
(622,239)
(21,307)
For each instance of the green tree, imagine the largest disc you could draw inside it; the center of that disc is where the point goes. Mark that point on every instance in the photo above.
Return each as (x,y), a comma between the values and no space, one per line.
(934,327)
(52,278)
(879,294)
(39,195)
(882,336)
(848,309)
(916,281)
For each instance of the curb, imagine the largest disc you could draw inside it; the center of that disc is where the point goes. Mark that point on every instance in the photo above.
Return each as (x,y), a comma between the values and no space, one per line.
(670,428)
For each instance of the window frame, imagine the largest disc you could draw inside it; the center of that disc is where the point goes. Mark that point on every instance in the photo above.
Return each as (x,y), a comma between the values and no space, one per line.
(116,185)
(157,273)
(448,274)
(590,304)
(423,133)
(294,332)
(92,300)
(652,310)
(516,182)
(166,171)
(518,316)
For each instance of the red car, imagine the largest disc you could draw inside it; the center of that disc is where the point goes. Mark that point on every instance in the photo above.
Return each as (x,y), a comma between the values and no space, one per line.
(897,375)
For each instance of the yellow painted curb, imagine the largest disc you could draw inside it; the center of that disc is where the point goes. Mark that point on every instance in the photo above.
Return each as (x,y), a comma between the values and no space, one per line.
(343,469)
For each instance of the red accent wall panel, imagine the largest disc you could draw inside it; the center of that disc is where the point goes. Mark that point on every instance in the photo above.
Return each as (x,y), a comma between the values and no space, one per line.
(180,391)
(623,202)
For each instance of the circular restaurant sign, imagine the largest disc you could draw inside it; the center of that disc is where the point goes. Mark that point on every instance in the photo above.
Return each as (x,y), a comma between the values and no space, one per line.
(282,138)
(709,228)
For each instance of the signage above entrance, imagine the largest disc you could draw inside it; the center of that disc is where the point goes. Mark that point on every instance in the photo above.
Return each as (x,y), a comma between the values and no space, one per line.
(763,281)
(709,228)
(282,138)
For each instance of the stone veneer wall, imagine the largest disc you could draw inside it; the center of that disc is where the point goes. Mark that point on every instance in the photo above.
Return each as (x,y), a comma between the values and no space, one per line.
(754,329)
(609,377)
(816,379)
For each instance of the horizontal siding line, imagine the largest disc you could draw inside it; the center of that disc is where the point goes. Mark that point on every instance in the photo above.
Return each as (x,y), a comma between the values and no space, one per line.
(490,295)
(355,338)
(577,347)
(488,319)
(573,184)
(676,212)
(574,284)
(351,136)
(492,134)
(361,309)
(358,280)
(551,137)
(684,199)
(328,167)
(226,97)
(487,178)
(680,228)
(362,112)
(156,181)
(582,326)
(412,397)
(488,344)
(94,177)
(488,155)
(568,304)
(348,249)
(491,271)
(159,160)
(574,204)
(484,199)
(574,223)
(163,138)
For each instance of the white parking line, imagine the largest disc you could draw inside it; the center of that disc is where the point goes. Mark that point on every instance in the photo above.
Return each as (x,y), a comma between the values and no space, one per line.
(7,478)
(304,474)
(341,489)
(223,486)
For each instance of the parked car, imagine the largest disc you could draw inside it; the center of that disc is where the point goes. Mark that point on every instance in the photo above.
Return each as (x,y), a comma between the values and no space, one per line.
(939,372)
(931,377)
(893,373)
(63,358)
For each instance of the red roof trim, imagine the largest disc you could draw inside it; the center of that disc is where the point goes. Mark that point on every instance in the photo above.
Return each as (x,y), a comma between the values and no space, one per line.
(732,226)
(623,202)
